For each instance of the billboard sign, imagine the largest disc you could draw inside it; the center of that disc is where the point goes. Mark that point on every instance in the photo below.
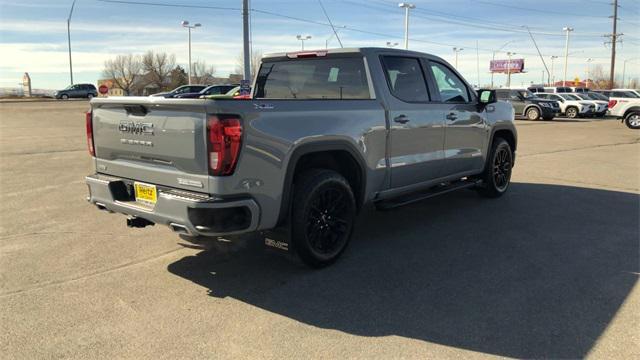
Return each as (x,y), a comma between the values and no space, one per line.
(501,66)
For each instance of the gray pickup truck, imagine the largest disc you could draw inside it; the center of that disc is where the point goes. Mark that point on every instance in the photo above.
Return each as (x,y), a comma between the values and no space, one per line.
(323,134)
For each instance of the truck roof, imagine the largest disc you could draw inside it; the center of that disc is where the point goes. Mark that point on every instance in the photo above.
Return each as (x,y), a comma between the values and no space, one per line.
(357,50)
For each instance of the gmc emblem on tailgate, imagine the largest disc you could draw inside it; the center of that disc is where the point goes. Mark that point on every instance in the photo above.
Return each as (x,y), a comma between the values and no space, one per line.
(135,128)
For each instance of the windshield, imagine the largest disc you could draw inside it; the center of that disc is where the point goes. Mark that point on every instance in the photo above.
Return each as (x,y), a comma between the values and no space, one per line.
(569,96)
(597,96)
(582,96)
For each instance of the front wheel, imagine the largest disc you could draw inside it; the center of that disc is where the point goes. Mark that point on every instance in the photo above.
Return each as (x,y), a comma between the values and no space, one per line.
(89,96)
(323,216)
(572,113)
(497,173)
(533,114)
(64,97)
(632,120)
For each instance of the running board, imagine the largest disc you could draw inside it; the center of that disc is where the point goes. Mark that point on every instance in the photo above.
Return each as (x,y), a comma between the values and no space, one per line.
(426,194)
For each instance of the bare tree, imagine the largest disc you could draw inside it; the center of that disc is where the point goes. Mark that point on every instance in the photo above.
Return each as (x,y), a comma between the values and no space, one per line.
(256,56)
(202,73)
(123,70)
(158,67)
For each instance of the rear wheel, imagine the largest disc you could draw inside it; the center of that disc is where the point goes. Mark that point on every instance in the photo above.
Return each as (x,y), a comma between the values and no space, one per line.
(497,173)
(89,96)
(632,120)
(533,114)
(572,113)
(64,97)
(323,216)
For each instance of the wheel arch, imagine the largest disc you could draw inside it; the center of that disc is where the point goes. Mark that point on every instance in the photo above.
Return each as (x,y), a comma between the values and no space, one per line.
(526,108)
(631,110)
(338,155)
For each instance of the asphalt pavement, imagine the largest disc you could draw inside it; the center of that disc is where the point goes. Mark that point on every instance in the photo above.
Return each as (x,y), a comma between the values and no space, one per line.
(550,270)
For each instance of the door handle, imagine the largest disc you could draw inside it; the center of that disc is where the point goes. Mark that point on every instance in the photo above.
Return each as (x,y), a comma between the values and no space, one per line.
(451,116)
(401,119)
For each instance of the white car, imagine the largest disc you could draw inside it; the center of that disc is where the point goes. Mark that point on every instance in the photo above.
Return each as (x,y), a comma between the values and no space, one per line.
(627,109)
(601,105)
(633,91)
(570,105)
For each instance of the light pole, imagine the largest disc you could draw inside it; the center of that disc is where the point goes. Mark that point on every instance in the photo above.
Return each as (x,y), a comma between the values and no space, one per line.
(589,60)
(566,54)
(407,7)
(493,57)
(69,39)
(509,54)
(456,51)
(553,76)
(185,24)
(302,39)
(391,44)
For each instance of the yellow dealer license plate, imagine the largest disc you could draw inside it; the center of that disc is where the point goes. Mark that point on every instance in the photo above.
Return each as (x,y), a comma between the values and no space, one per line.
(145,192)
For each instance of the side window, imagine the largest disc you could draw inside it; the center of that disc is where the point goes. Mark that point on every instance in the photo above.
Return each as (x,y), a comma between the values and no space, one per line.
(450,86)
(406,79)
(514,96)
(502,95)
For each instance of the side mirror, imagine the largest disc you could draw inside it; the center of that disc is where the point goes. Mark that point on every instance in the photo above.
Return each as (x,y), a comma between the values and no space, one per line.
(487,96)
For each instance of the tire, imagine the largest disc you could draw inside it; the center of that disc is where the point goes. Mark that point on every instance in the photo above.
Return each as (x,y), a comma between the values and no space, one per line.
(497,173)
(632,120)
(533,113)
(547,118)
(572,112)
(64,97)
(90,96)
(323,216)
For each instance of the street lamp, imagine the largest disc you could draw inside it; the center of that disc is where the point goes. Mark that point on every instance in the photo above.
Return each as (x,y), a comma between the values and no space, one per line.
(494,57)
(407,7)
(509,54)
(391,44)
(456,51)
(303,38)
(588,70)
(185,24)
(69,39)
(566,54)
(553,77)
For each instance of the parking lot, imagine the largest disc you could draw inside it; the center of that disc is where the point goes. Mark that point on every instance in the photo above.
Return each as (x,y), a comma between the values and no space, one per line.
(548,271)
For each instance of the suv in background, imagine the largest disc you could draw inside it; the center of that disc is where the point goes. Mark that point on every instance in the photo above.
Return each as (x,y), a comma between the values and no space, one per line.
(181,90)
(77,91)
(571,105)
(601,105)
(525,103)
(557,89)
(536,88)
(210,90)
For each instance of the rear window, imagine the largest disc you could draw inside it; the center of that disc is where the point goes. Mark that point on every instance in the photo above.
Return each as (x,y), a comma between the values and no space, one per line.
(326,78)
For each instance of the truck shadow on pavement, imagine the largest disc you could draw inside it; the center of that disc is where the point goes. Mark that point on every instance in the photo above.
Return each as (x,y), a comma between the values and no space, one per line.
(539,273)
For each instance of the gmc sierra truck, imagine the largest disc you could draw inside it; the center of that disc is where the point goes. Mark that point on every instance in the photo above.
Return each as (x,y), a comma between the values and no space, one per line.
(323,134)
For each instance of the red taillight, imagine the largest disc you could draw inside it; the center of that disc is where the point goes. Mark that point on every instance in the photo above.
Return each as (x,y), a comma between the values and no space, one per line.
(89,123)
(243,97)
(612,103)
(225,140)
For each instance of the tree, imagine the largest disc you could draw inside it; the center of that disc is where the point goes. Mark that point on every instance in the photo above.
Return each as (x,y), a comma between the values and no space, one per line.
(202,73)
(123,70)
(178,77)
(158,67)
(256,56)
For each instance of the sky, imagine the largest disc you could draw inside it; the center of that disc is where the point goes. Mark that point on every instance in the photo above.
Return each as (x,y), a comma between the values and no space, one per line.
(33,33)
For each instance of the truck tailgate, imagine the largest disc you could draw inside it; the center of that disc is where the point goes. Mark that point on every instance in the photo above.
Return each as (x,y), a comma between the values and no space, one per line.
(155,140)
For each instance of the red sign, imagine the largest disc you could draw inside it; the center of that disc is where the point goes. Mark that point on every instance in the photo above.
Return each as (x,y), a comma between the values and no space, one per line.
(103,89)
(512,66)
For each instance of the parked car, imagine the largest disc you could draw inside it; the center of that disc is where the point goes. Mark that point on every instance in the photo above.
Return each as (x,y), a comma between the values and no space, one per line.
(184,89)
(626,109)
(570,105)
(325,133)
(601,105)
(536,88)
(557,89)
(618,94)
(210,90)
(77,91)
(633,91)
(228,95)
(580,89)
(526,104)
(598,96)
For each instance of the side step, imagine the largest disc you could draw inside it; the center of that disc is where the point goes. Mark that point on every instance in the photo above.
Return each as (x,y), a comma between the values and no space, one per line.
(425,194)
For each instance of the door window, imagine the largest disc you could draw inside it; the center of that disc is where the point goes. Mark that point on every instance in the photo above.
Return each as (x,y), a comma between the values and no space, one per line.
(405,78)
(514,95)
(450,86)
